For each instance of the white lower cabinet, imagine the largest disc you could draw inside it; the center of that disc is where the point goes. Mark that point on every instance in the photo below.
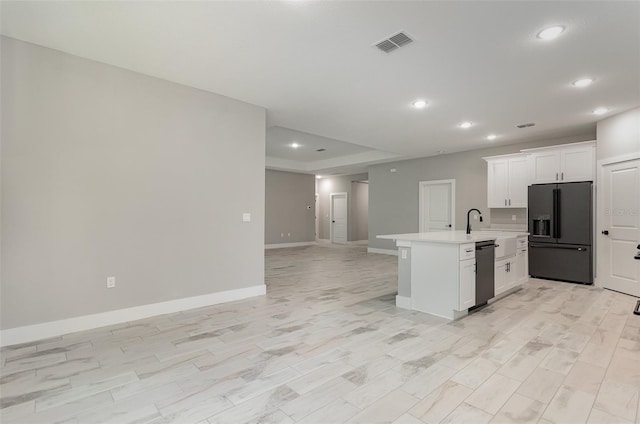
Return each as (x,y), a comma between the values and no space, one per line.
(522,266)
(505,275)
(500,277)
(467,293)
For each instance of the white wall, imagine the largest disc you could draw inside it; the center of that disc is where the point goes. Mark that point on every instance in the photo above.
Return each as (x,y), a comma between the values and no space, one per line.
(106,172)
(618,135)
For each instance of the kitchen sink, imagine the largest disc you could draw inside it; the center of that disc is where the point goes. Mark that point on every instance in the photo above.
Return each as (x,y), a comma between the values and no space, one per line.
(505,246)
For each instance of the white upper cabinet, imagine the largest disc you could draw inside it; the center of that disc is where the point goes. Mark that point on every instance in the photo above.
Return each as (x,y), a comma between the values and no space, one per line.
(562,164)
(507,181)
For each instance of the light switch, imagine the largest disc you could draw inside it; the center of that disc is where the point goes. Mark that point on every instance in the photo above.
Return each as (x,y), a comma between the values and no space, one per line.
(246,217)
(404,253)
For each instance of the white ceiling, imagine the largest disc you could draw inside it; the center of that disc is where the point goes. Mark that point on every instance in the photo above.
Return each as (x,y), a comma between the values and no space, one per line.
(312,64)
(280,139)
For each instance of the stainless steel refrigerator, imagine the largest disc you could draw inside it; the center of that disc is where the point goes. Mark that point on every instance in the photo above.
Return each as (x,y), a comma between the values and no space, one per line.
(561,232)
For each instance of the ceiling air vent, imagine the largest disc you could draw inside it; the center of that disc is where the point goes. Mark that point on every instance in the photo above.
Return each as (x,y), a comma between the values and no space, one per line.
(390,44)
(530,124)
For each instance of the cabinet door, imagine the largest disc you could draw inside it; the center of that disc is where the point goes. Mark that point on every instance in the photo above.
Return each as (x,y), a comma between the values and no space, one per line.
(545,167)
(577,164)
(500,277)
(521,266)
(467,291)
(510,274)
(497,183)
(518,182)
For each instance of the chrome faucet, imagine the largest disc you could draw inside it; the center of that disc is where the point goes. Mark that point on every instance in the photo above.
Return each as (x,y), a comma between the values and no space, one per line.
(469,223)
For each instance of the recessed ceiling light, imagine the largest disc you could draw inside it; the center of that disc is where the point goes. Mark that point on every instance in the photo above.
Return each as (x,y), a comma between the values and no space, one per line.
(294,145)
(318,176)
(584,82)
(465,125)
(551,32)
(600,111)
(419,104)
(491,137)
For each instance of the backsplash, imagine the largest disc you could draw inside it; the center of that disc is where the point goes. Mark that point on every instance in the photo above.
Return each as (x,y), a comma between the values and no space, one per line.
(505,216)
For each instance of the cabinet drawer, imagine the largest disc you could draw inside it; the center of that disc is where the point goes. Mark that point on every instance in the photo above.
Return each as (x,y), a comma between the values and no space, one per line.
(467,251)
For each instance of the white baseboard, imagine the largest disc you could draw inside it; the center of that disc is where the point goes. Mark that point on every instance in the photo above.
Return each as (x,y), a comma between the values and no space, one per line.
(382,251)
(283,245)
(45,330)
(403,302)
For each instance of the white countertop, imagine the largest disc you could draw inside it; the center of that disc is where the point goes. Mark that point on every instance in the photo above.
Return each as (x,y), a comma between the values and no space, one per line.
(457,237)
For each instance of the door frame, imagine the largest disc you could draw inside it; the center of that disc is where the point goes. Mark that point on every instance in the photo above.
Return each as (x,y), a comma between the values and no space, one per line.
(598,215)
(317,214)
(346,226)
(422,185)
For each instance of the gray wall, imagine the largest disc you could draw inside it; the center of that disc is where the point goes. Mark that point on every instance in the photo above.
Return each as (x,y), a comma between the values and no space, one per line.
(324,188)
(393,197)
(289,207)
(619,135)
(106,172)
(359,211)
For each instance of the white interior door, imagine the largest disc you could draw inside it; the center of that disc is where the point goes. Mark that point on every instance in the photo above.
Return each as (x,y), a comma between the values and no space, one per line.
(436,205)
(619,225)
(339,218)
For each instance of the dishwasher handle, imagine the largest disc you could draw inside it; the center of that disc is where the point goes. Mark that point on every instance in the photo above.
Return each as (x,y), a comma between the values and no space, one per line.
(488,246)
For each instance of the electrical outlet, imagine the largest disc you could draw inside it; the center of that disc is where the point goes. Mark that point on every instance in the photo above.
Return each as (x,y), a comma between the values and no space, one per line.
(288,234)
(404,253)
(281,234)
(111,282)
(513,217)
(246,217)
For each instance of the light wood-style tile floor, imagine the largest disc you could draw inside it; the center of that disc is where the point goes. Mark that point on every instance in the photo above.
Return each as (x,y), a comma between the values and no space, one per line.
(327,345)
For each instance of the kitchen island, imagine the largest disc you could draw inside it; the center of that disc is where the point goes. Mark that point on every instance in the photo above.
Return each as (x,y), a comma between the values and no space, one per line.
(436,270)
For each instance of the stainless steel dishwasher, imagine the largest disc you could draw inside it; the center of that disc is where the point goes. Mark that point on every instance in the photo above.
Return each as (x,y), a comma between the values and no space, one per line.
(485,271)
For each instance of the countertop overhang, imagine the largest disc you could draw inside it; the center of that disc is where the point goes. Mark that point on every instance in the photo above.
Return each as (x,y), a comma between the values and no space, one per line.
(455,237)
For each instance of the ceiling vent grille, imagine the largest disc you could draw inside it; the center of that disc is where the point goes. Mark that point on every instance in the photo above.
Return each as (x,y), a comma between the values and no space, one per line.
(395,41)
(530,124)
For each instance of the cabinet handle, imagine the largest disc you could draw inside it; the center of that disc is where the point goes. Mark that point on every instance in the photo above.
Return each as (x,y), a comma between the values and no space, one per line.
(505,202)
(556,176)
(562,176)
(509,202)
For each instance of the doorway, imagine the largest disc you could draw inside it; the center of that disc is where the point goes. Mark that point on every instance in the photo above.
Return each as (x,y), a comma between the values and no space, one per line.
(436,203)
(338,218)
(619,226)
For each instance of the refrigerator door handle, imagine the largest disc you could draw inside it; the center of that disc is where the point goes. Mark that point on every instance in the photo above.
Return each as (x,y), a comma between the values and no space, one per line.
(554,226)
(557,246)
(556,218)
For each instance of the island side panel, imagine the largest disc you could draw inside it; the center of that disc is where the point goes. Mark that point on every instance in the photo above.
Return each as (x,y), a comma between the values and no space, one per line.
(403,299)
(435,271)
